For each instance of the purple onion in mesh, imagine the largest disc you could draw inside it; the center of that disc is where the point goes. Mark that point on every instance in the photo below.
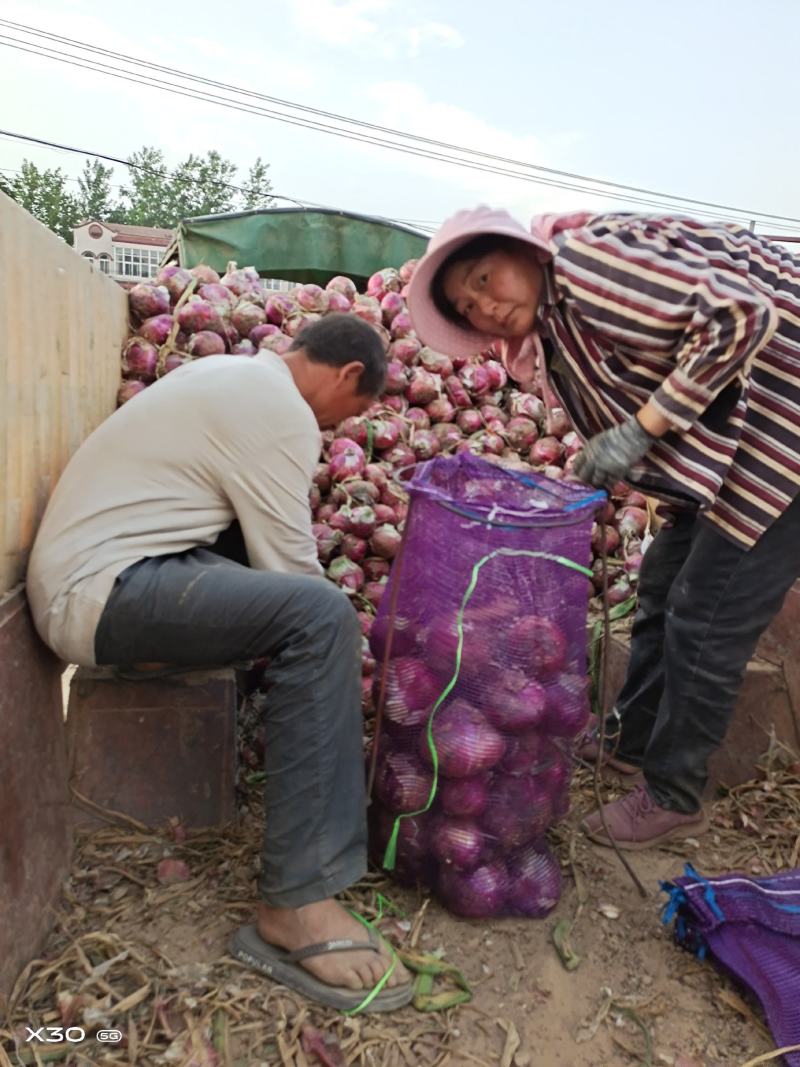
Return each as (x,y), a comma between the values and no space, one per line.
(534,883)
(567,705)
(477,894)
(463,796)
(402,783)
(457,842)
(466,742)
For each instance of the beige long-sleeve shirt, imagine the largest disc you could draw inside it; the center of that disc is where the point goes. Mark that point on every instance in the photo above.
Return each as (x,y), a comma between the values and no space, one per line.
(223,438)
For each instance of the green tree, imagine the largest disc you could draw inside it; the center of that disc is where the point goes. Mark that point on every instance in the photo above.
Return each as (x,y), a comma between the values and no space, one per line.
(44,194)
(204,186)
(94,198)
(148,197)
(258,186)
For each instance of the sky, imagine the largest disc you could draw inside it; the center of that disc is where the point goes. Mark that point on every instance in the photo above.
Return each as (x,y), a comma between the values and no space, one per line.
(693,98)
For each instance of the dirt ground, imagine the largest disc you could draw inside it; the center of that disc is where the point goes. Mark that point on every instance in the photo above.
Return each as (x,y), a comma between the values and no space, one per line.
(150,958)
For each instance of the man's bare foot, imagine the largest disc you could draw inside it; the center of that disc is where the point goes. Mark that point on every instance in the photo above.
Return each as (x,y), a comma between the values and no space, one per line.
(327,920)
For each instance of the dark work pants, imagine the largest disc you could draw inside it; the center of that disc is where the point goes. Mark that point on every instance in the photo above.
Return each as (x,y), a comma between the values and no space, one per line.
(703,604)
(199,609)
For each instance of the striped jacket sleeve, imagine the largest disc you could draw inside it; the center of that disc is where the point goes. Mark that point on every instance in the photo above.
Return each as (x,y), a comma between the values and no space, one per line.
(637,286)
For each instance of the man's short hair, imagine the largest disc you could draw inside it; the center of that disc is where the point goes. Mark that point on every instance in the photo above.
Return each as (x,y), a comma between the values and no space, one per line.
(339,339)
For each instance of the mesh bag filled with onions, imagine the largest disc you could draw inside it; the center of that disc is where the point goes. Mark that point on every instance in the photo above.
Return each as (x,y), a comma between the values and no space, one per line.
(481,645)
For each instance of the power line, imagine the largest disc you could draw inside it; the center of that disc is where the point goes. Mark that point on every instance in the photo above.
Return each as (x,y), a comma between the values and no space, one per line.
(138,79)
(34,31)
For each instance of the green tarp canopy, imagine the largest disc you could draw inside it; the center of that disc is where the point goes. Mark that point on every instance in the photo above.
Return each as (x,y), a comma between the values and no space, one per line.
(296,244)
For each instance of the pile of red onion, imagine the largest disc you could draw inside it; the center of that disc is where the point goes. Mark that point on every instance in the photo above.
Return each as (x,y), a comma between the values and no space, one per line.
(432,405)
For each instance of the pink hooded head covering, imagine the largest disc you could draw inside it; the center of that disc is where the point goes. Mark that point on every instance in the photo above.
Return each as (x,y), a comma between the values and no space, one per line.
(522,357)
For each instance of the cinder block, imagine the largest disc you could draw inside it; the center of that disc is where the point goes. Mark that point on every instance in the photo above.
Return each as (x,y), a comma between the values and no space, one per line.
(765,703)
(35,817)
(155,748)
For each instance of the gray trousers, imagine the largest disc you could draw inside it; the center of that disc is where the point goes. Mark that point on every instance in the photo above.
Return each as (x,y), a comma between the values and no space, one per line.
(200,609)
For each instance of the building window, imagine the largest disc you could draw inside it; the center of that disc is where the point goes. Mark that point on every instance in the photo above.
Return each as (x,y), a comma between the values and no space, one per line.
(278,284)
(104,263)
(136,262)
(88,255)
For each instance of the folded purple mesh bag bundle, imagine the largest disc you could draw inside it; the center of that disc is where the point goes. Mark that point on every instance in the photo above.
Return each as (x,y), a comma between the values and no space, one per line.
(485,684)
(751,928)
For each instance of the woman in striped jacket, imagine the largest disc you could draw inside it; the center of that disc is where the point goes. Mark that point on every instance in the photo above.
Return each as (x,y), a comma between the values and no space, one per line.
(674,347)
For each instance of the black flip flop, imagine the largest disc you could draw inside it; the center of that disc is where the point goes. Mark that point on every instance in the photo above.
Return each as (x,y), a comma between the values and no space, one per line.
(248,947)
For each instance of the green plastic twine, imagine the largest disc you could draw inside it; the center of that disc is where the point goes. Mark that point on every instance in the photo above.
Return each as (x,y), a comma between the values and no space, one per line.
(387,974)
(390,854)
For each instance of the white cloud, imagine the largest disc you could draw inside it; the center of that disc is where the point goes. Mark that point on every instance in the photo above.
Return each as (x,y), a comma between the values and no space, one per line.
(381,25)
(405,106)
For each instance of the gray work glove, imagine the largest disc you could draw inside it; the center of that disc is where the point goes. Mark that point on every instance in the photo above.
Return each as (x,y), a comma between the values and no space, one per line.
(608,456)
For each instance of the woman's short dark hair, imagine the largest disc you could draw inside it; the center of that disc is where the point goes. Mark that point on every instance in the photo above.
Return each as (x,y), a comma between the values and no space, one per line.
(474,249)
(340,339)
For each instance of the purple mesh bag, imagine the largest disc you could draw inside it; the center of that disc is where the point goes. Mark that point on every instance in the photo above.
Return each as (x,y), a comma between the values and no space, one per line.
(483,632)
(751,927)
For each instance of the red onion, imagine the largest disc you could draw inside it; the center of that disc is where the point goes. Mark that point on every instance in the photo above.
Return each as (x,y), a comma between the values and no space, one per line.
(128,390)
(528,405)
(632,522)
(328,541)
(516,711)
(457,842)
(376,473)
(402,326)
(405,350)
(392,495)
(338,303)
(258,333)
(362,521)
(521,433)
(435,362)
(205,343)
(278,307)
(244,348)
(346,574)
(559,422)
(312,298)
(572,443)
(498,378)
(365,621)
(633,564)
(519,810)
(567,705)
(419,417)
(356,428)
(396,377)
(612,539)
(322,478)
(384,434)
(469,421)
(204,274)
(157,329)
(636,500)
(232,334)
(404,637)
(340,520)
(369,309)
(278,343)
(342,285)
(537,644)
(197,314)
(400,456)
(385,541)
(425,444)
(384,281)
(412,844)
(476,894)
(376,568)
(325,512)
(374,591)
(140,359)
(243,280)
(175,279)
(492,413)
(423,387)
(148,300)
(219,296)
(247,317)
(314,499)
(441,410)
(411,691)
(619,591)
(449,435)
(401,782)
(546,452)
(355,548)
(173,361)
(295,324)
(466,743)
(475,380)
(349,462)
(457,393)
(523,754)
(391,305)
(406,272)
(395,403)
(534,884)
(463,796)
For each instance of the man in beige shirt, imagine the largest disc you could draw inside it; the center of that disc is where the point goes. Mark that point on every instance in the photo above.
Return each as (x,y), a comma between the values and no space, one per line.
(130,567)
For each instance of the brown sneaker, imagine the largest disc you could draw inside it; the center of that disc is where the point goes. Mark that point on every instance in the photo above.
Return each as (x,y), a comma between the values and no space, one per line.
(587,752)
(636,822)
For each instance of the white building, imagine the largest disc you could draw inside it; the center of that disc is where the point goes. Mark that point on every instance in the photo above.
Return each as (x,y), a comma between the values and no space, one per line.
(127,253)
